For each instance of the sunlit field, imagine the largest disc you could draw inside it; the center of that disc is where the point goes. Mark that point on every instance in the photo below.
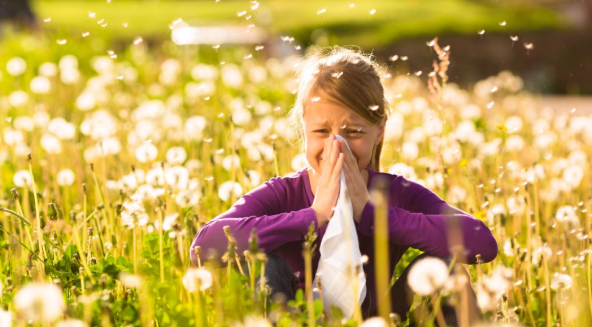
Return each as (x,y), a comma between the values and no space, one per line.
(112,162)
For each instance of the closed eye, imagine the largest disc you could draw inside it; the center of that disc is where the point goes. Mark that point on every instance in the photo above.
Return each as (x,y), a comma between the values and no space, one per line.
(351,131)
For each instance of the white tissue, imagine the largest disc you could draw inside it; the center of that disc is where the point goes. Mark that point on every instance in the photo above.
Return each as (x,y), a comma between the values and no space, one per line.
(339,258)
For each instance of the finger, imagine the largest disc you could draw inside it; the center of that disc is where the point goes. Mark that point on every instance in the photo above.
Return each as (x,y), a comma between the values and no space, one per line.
(338,167)
(334,153)
(325,154)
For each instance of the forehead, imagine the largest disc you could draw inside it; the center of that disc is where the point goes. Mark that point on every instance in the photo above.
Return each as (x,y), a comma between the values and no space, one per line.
(323,110)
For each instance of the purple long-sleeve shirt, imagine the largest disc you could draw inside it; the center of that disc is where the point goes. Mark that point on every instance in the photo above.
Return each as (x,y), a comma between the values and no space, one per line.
(280,210)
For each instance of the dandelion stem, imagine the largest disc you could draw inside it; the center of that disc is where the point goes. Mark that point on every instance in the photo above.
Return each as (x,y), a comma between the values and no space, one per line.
(37,214)
(160,245)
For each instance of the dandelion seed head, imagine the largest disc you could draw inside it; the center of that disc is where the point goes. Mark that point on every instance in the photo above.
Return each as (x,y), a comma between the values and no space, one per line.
(65,177)
(428,275)
(39,303)
(16,66)
(227,188)
(196,278)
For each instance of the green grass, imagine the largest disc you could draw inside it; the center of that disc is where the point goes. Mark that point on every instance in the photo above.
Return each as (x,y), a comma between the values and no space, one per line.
(393,19)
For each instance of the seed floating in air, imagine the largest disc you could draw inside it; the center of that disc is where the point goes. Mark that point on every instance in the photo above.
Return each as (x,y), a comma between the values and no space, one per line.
(373,11)
(47,20)
(503,23)
(374,107)
(337,75)
(322,11)
(63,41)
(138,40)
(481,32)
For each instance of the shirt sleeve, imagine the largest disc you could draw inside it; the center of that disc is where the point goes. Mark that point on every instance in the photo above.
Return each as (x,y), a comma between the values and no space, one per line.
(418,218)
(260,209)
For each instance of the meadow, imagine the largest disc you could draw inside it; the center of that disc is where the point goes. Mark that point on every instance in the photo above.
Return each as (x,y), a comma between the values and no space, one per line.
(112,161)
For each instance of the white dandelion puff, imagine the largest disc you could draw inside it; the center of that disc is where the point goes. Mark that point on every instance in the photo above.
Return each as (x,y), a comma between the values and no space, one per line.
(146,152)
(65,177)
(16,66)
(226,188)
(38,302)
(196,278)
(428,275)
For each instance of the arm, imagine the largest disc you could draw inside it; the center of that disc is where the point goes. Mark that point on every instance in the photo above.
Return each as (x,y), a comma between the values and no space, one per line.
(418,218)
(257,209)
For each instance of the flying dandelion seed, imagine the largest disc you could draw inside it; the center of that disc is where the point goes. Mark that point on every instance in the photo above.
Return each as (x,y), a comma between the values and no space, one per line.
(528,46)
(255,5)
(481,32)
(85,34)
(249,56)
(124,24)
(209,178)
(241,13)
(322,11)
(91,14)
(343,126)
(101,21)
(514,38)
(394,58)
(418,73)
(373,107)
(47,20)
(572,110)
(138,40)
(62,41)
(219,151)
(431,43)
(404,58)
(490,105)
(351,5)
(503,23)
(493,89)
(373,11)
(337,75)
(316,99)
(259,47)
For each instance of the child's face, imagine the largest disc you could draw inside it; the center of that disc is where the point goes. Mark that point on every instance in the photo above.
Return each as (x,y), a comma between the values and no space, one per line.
(322,118)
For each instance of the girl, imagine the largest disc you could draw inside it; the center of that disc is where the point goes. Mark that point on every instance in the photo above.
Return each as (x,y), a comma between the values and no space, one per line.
(340,92)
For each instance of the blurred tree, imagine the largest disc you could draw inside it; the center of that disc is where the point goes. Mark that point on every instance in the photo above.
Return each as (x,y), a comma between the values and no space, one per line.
(17,12)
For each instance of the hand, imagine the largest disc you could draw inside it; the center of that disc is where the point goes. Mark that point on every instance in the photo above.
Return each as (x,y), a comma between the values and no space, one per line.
(356,186)
(328,184)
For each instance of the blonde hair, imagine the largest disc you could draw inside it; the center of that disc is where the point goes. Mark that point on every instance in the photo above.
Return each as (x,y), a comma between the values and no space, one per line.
(349,77)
